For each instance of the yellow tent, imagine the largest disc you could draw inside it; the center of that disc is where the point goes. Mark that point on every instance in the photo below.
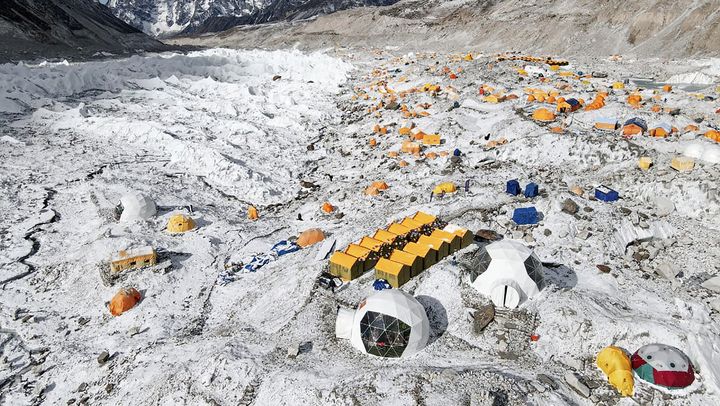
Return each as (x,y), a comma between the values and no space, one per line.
(618,86)
(617,366)
(713,135)
(445,187)
(180,223)
(543,114)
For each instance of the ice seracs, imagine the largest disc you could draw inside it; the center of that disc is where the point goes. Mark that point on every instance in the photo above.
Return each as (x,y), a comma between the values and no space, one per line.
(508,272)
(390,323)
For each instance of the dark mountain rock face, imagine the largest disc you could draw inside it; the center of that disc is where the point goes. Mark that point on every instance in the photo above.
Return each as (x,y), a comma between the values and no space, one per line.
(65,28)
(169,17)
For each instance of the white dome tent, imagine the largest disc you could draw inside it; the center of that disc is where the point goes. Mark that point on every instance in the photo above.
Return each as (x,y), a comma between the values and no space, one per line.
(390,323)
(136,206)
(508,272)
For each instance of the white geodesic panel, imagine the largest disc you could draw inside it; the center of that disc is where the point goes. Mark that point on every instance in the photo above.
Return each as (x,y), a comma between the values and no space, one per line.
(401,306)
(137,206)
(507,280)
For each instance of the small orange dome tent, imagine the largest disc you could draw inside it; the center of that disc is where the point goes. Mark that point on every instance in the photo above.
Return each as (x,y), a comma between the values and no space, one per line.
(124,300)
(543,115)
(713,135)
(253,213)
(310,237)
(328,208)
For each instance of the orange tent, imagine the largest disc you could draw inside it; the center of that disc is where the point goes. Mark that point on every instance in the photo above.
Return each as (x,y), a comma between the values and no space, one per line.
(253,213)
(634,100)
(124,300)
(690,128)
(328,208)
(632,129)
(310,237)
(713,135)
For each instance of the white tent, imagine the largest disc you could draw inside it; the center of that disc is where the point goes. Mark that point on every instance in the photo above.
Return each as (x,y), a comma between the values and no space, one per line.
(136,206)
(509,273)
(390,323)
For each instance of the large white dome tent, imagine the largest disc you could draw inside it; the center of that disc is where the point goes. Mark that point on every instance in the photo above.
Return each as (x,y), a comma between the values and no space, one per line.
(390,323)
(136,206)
(508,272)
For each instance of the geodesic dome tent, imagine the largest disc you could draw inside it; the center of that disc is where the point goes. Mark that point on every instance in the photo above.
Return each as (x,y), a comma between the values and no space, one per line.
(663,365)
(508,272)
(136,206)
(390,323)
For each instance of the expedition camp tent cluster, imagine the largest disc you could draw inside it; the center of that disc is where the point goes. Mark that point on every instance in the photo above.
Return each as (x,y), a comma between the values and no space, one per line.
(135,207)
(401,251)
(550,99)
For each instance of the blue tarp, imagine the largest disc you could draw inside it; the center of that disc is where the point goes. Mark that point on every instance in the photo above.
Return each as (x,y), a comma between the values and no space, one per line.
(255,262)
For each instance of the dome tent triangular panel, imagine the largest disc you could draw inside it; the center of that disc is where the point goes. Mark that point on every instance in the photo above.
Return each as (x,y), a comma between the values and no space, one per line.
(508,272)
(390,323)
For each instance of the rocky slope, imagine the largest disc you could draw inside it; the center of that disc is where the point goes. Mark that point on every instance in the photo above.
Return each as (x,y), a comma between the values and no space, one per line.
(645,27)
(168,17)
(65,28)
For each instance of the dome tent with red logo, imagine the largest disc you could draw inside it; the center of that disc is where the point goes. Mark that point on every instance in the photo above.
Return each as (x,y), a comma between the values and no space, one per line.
(663,365)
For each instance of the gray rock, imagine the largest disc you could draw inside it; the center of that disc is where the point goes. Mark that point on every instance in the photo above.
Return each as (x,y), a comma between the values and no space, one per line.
(584,235)
(570,207)
(134,331)
(293,350)
(547,232)
(547,381)
(482,317)
(109,387)
(82,387)
(663,206)
(103,357)
(712,284)
(577,385)
(529,238)
(603,268)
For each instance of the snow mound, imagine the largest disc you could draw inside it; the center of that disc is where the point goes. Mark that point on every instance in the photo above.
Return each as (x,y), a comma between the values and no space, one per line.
(695,78)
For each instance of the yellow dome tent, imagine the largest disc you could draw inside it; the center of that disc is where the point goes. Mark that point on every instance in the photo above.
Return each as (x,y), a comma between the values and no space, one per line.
(446,187)
(180,223)
(544,115)
(616,365)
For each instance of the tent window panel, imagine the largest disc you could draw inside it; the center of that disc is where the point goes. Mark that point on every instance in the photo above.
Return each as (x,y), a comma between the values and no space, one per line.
(482,263)
(534,270)
(383,335)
